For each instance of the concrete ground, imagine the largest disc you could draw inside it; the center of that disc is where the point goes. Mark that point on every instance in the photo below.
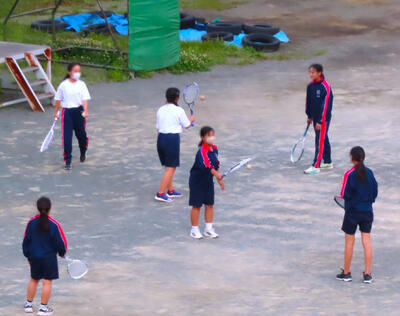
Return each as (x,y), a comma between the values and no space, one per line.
(280,242)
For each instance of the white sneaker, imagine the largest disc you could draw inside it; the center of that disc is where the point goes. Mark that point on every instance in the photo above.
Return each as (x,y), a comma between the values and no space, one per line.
(28,308)
(45,312)
(210,233)
(326,166)
(195,233)
(311,170)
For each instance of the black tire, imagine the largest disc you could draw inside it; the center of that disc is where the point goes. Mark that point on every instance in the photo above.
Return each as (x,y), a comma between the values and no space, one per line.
(187,21)
(47,26)
(100,14)
(231,27)
(217,36)
(261,28)
(97,28)
(200,20)
(261,41)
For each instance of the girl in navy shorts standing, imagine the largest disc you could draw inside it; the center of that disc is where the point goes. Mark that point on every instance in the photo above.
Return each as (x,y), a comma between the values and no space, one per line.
(72,95)
(201,184)
(359,190)
(171,119)
(43,240)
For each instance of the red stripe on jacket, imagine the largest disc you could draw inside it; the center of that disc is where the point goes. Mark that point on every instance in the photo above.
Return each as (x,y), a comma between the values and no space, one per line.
(346,176)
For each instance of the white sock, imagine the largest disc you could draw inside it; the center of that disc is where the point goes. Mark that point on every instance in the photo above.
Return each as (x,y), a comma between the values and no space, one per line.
(209,226)
(195,228)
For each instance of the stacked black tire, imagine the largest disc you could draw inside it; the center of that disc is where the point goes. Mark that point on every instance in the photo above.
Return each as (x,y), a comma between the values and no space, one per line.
(260,37)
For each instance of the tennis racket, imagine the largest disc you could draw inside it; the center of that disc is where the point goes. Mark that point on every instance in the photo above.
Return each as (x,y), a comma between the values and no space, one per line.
(339,200)
(298,148)
(76,268)
(237,166)
(49,137)
(190,95)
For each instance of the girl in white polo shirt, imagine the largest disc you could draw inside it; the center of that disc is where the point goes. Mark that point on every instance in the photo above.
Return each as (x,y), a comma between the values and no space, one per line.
(171,119)
(72,95)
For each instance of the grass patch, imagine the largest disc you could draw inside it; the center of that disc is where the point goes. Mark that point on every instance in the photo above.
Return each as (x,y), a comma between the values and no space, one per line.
(211,4)
(320,52)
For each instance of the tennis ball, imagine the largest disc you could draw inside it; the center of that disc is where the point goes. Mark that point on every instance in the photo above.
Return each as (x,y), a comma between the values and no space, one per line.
(249,166)
(202,97)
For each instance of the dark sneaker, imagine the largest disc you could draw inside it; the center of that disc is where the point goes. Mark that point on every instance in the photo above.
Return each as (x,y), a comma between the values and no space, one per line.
(83,158)
(45,312)
(174,194)
(344,277)
(67,167)
(367,278)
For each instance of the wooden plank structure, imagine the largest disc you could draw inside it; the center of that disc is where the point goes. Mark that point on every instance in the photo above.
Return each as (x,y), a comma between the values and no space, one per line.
(10,54)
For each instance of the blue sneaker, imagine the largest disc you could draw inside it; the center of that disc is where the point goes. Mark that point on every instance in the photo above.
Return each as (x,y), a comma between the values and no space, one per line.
(163,198)
(174,194)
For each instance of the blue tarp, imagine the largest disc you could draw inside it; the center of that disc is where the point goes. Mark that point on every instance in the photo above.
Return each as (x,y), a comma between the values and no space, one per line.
(193,35)
(79,21)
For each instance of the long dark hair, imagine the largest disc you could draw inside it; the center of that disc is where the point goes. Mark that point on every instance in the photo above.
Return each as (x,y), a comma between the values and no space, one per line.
(318,68)
(204,131)
(358,154)
(69,69)
(172,94)
(44,206)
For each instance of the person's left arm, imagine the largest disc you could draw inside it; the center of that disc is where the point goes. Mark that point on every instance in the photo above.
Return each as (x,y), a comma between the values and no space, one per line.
(326,105)
(85,99)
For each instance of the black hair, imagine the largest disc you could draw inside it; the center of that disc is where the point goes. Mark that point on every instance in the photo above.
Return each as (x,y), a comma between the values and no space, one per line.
(204,131)
(358,154)
(69,68)
(318,68)
(44,206)
(172,94)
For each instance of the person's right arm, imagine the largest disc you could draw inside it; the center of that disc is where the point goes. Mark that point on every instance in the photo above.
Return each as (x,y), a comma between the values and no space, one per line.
(27,241)
(58,97)
(308,108)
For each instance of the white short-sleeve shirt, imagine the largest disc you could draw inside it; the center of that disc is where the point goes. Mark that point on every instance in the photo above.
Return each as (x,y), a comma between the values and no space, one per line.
(171,119)
(72,94)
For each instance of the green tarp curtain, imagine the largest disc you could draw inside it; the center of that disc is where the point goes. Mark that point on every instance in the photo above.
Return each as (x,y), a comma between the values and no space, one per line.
(153,34)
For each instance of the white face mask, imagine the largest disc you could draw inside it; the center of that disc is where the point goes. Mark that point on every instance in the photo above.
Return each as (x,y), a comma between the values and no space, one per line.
(210,140)
(76,75)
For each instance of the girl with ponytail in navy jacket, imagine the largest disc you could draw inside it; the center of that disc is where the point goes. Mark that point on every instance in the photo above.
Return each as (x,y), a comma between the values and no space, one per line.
(359,190)
(43,240)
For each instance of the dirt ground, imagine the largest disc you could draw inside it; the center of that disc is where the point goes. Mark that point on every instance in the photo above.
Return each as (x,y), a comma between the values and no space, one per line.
(280,242)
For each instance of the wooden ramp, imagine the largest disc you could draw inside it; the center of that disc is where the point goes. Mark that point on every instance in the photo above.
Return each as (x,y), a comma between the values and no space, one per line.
(40,87)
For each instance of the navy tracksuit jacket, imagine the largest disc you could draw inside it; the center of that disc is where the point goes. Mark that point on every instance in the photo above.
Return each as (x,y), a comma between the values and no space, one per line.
(359,196)
(201,181)
(319,108)
(38,245)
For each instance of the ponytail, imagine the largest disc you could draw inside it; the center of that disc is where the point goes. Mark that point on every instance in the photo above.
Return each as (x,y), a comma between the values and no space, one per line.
(204,131)
(69,69)
(43,206)
(358,154)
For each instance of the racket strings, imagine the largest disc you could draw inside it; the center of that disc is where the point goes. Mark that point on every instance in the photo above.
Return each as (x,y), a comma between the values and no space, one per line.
(77,269)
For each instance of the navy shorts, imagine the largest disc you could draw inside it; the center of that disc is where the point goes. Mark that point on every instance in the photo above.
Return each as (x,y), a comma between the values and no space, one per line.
(44,268)
(353,219)
(201,192)
(168,148)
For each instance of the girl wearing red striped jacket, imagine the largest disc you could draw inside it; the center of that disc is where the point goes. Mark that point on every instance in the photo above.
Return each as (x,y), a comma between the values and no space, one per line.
(201,183)
(43,240)
(319,112)
(359,191)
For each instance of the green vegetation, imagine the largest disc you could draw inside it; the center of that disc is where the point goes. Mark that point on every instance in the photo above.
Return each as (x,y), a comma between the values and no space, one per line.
(211,4)
(320,52)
